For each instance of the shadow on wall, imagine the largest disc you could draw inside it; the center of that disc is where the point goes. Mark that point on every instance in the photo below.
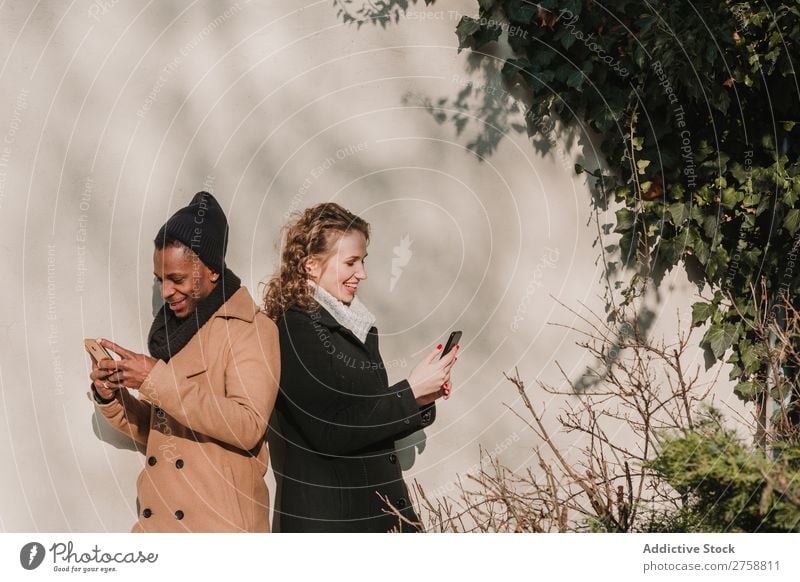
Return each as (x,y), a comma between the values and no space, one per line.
(108,434)
(375,12)
(484,110)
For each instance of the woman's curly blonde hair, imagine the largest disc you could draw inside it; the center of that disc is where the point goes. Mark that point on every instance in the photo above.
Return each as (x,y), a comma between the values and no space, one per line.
(313,232)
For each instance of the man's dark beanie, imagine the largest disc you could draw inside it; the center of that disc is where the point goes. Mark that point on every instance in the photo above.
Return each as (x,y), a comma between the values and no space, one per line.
(202,227)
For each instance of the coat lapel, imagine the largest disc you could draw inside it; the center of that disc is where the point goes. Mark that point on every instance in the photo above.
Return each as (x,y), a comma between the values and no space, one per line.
(191,359)
(324,317)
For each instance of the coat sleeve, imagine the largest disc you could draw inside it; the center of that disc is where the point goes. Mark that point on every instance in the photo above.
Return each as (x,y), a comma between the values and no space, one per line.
(427,414)
(128,415)
(240,417)
(332,420)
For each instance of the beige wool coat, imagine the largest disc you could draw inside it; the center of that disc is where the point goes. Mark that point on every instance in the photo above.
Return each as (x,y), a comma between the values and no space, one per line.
(202,417)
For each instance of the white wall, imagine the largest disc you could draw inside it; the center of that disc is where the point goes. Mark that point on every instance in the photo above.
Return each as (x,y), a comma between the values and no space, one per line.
(114,114)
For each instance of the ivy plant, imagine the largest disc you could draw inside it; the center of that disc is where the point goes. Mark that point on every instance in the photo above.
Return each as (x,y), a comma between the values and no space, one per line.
(695,105)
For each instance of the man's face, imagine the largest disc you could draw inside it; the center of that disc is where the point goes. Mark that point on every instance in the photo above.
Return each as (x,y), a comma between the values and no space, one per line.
(184,279)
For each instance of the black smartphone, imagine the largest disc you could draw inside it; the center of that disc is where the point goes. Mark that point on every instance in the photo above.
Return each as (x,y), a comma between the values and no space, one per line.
(454,338)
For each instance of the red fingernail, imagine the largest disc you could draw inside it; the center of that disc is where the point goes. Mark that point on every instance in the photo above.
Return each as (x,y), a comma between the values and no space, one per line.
(444,385)
(439,347)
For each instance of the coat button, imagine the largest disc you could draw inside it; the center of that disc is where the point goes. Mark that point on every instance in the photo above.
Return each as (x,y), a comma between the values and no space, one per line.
(151,461)
(146,512)
(426,416)
(406,421)
(179,464)
(401,503)
(179,514)
(399,394)
(392,458)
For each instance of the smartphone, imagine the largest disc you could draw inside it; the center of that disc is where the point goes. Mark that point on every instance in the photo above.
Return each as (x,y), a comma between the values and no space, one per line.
(454,338)
(95,350)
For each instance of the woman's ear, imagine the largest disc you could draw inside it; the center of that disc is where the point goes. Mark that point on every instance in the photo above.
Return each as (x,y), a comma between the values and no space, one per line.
(312,268)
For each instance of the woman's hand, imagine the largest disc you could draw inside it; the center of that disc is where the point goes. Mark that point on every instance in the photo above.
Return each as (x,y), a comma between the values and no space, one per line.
(129,371)
(430,379)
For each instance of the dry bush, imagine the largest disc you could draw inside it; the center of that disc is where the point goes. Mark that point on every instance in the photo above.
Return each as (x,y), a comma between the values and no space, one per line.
(655,393)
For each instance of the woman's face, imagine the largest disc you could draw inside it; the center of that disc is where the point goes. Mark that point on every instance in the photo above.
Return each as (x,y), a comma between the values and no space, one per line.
(343,269)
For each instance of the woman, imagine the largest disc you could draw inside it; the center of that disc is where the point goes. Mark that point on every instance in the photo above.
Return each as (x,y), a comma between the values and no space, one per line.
(339,418)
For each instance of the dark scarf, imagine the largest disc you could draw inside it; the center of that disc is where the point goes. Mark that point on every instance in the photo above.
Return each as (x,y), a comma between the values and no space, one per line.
(169,334)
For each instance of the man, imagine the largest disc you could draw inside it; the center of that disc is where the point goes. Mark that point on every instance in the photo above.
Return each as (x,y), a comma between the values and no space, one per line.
(205,393)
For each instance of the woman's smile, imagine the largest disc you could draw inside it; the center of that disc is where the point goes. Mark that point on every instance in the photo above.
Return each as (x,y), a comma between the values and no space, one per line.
(344,268)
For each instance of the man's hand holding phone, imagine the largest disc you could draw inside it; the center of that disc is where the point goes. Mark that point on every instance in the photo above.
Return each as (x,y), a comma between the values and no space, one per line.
(109,375)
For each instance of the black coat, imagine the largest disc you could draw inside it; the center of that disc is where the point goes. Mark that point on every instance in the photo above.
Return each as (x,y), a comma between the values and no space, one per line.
(338,419)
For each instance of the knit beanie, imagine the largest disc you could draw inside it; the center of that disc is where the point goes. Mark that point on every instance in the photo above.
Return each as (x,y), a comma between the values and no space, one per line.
(202,227)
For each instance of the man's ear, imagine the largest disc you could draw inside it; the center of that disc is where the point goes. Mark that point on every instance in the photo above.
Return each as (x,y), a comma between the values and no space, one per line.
(207,271)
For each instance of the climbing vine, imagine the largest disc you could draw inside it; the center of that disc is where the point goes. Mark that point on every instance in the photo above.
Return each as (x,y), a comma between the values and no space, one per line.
(695,105)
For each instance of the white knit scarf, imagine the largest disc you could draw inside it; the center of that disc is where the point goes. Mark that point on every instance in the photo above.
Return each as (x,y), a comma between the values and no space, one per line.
(355,317)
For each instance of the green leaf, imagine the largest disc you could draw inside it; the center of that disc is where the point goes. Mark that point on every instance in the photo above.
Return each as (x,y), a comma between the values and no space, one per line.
(749,357)
(699,246)
(792,220)
(621,193)
(466,28)
(717,263)
(679,212)
(575,80)
(567,39)
(539,79)
(751,200)
(710,226)
(669,251)
(791,195)
(701,312)
(604,120)
(520,11)
(513,67)
(751,257)
(745,390)
(625,219)
(704,150)
(719,338)
(729,197)
(641,165)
